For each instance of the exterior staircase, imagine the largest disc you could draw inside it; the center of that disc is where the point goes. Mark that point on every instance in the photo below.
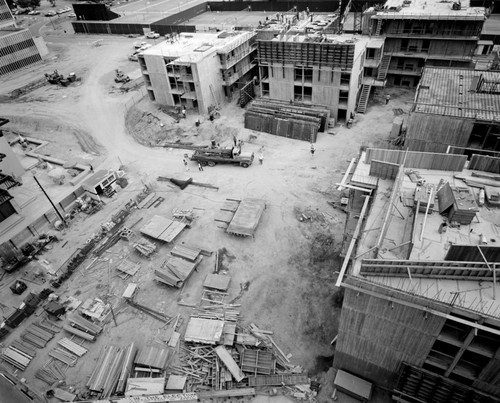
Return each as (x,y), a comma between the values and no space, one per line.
(363,99)
(378,28)
(384,66)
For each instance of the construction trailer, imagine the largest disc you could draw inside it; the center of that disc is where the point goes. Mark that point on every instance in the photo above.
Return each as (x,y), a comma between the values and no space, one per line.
(421,310)
(458,108)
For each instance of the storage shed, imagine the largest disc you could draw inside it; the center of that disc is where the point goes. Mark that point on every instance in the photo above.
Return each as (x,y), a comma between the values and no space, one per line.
(99,181)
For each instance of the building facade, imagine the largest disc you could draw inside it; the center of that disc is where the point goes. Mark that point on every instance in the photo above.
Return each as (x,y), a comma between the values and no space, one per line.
(316,69)
(420,315)
(420,33)
(200,70)
(18,48)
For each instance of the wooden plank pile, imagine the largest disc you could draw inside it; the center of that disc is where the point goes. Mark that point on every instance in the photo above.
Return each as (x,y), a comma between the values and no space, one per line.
(107,371)
(162,228)
(53,371)
(301,122)
(144,247)
(175,271)
(17,358)
(186,252)
(37,336)
(257,362)
(126,369)
(64,356)
(128,267)
(72,347)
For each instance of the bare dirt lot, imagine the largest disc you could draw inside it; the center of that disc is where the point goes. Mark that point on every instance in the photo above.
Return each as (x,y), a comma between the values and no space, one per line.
(288,269)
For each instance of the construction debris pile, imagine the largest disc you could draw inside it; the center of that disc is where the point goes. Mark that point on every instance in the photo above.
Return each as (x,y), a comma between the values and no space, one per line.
(287,119)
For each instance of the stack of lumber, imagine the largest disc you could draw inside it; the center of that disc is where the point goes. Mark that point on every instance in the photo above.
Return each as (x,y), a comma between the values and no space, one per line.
(26,348)
(85,325)
(72,347)
(64,356)
(175,271)
(126,370)
(105,376)
(37,336)
(276,117)
(186,252)
(277,380)
(15,357)
(145,248)
(217,282)
(152,357)
(49,375)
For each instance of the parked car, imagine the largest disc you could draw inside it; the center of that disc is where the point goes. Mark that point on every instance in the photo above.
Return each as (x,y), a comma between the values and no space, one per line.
(133,57)
(34,12)
(50,13)
(72,15)
(21,11)
(137,45)
(144,47)
(152,35)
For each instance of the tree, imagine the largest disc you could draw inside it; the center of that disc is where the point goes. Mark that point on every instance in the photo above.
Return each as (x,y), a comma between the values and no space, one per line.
(11,4)
(28,3)
(52,2)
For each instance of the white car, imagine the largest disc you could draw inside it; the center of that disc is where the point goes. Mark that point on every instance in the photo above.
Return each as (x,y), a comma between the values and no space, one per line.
(152,35)
(138,45)
(72,15)
(144,47)
(34,12)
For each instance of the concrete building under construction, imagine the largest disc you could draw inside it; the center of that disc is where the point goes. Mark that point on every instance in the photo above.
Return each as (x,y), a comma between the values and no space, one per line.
(420,33)
(199,70)
(421,311)
(18,48)
(457,109)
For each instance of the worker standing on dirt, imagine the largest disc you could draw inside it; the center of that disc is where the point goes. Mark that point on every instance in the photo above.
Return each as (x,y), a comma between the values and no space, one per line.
(185,164)
(261,158)
(184,113)
(312,150)
(200,167)
(387,99)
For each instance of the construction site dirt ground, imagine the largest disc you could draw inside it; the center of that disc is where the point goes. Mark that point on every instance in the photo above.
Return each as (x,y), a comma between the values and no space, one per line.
(283,277)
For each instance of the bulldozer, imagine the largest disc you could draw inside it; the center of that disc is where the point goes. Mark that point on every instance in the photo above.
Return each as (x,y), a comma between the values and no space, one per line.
(121,77)
(54,78)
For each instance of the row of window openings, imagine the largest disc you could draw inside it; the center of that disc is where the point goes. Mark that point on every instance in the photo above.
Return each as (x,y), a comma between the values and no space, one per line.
(305,75)
(432,29)
(301,93)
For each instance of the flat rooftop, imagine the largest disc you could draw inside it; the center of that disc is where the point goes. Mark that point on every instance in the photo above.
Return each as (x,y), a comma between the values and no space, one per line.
(193,47)
(323,38)
(471,94)
(424,9)
(429,243)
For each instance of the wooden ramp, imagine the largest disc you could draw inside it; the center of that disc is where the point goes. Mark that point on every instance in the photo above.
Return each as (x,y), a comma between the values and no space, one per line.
(162,228)
(247,217)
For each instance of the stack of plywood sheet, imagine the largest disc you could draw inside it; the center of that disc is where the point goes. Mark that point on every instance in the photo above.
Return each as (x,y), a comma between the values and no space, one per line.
(206,331)
(152,357)
(175,271)
(247,217)
(422,194)
(163,228)
(37,336)
(186,252)
(297,121)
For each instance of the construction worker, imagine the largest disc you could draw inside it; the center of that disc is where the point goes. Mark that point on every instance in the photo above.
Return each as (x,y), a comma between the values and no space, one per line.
(312,149)
(261,158)
(200,167)
(184,113)
(387,99)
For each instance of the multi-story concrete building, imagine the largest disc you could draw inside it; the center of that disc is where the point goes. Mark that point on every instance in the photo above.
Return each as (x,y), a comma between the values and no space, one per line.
(420,33)
(18,48)
(317,69)
(421,311)
(457,109)
(199,70)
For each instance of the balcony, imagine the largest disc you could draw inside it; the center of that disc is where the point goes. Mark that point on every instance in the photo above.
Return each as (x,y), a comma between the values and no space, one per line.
(373,81)
(189,95)
(426,55)
(240,55)
(186,77)
(177,90)
(404,72)
(453,36)
(230,78)
(373,63)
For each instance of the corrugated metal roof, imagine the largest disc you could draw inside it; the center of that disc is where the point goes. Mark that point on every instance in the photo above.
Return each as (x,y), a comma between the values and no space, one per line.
(452,92)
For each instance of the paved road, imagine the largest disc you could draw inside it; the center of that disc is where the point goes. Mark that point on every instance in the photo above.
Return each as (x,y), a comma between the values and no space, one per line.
(9,394)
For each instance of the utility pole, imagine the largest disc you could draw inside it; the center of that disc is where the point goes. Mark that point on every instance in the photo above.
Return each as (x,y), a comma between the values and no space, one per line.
(47,196)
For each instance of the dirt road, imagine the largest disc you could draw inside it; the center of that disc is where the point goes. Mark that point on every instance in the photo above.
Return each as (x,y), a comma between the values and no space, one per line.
(289,266)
